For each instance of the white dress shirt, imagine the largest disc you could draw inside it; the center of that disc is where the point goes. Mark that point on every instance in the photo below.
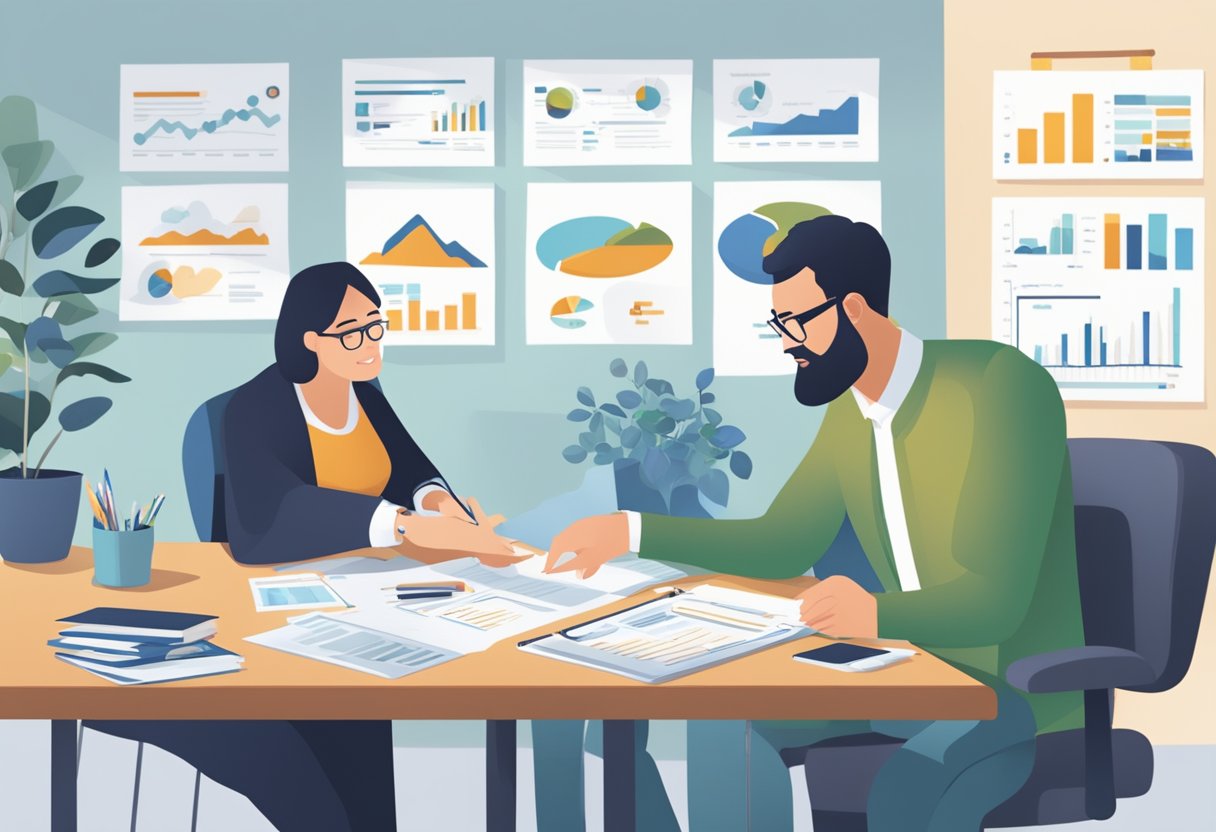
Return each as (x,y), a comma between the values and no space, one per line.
(380,531)
(880,413)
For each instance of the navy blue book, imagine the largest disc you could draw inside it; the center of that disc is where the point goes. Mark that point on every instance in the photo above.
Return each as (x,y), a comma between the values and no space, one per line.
(140,625)
(158,653)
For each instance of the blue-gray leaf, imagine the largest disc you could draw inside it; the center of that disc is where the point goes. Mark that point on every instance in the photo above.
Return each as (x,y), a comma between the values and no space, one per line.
(707,398)
(58,351)
(574,453)
(60,230)
(578,415)
(741,465)
(629,399)
(39,329)
(678,409)
(712,416)
(715,486)
(640,373)
(618,368)
(630,436)
(79,415)
(615,410)
(58,282)
(100,252)
(585,397)
(727,436)
(654,466)
(705,378)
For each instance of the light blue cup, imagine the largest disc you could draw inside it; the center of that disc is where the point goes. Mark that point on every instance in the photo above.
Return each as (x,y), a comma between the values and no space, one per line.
(122,559)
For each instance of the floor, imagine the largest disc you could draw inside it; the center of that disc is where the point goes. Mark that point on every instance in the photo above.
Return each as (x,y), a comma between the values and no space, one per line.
(442,786)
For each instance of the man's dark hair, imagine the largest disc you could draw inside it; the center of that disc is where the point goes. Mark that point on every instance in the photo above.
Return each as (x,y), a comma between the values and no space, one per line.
(846,257)
(312,300)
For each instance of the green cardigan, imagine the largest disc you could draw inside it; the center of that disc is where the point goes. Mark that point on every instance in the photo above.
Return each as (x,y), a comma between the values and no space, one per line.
(987,489)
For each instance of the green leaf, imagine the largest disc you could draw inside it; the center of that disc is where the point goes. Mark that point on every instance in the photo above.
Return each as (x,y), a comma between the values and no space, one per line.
(15,331)
(12,414)
(36,200)
(18,120)
(58,282)
(79,415)
(63,228)
(58,351)
(87,368)
(6,361)
(101,251)
(10,279)
(655,421)
(72,309)
(92,342)
(26,161)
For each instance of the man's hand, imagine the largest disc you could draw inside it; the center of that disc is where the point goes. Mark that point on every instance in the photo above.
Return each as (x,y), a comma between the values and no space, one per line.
(442,537)
(838,607)
(443,503)
(593,540)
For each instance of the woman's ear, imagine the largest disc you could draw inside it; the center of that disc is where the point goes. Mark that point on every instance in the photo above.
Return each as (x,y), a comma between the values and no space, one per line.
(310,341)
(854,306)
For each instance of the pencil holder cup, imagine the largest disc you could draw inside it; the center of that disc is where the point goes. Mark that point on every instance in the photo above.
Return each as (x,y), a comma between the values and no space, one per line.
(122,559)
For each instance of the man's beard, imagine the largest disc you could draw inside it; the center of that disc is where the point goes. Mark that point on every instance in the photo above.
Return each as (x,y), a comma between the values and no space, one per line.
(827,376)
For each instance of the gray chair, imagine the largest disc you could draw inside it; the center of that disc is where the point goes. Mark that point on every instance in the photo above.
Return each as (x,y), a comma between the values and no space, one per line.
(1145,529)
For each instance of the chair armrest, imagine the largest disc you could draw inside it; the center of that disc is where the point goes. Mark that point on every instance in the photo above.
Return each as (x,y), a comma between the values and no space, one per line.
(1080,668)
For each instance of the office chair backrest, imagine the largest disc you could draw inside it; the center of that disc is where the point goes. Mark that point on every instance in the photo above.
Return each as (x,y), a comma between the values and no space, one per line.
(203,466)
(1146,529)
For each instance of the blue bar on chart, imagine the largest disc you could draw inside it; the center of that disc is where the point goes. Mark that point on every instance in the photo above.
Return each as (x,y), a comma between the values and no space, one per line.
(1157,234)
(1102,346)
(1184,248)
(1176,310)
(1144,357)
(1064,349)
(1089,337)
(1134,233)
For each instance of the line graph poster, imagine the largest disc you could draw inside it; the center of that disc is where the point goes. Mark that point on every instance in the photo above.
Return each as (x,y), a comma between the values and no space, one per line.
(203,117)
(609,263)
(796,110)
(1128,124)
(403,112)
(429,250)
(203,252)
(1106,293)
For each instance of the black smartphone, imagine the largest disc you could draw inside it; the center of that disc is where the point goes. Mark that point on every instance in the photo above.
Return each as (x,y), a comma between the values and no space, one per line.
(839,653)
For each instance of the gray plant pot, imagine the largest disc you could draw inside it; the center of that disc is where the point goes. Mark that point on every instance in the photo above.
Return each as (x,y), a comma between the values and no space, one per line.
(38,516)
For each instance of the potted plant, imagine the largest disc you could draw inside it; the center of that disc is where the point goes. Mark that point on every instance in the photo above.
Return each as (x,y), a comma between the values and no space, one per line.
(663,449)
(46,277)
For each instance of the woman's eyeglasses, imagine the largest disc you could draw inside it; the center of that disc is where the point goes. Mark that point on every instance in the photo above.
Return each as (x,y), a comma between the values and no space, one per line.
(794,326)
(352,339)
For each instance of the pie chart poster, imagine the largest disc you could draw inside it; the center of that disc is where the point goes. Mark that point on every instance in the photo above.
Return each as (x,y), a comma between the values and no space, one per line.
(750,218)
(609,263)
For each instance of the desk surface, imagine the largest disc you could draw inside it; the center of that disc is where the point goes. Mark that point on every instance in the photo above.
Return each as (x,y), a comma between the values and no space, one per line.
(501,683)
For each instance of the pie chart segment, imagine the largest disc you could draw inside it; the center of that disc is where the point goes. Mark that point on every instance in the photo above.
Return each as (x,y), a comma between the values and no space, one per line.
(559,102)
(568,312)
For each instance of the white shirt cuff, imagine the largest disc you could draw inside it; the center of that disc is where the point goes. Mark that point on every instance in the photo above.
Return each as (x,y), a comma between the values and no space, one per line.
(427,488)
(635,530)
(383,531)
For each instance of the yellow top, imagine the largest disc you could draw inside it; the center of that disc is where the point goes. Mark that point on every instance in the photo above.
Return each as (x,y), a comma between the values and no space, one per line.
(354,461)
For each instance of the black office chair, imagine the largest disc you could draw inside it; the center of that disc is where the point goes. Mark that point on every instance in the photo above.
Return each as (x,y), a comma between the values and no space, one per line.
(1146,529)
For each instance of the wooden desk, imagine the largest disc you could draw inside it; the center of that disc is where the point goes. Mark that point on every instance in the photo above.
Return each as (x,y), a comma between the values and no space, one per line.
(502,684)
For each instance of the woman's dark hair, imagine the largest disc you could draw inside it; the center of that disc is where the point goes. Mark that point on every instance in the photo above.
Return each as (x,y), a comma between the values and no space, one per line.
(846,257)
(310,305)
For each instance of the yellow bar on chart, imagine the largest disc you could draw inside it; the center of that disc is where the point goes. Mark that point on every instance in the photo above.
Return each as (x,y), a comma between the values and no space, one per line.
(450,318)
(1082,127)
(455,118)
(1111,248)
(1053,138)
(394,320)
(1028,146)
(432,319)
(468,300)
(472,118)
(415,315)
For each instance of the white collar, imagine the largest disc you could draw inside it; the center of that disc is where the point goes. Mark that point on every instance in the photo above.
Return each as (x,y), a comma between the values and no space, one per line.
(352,414)
(903,374)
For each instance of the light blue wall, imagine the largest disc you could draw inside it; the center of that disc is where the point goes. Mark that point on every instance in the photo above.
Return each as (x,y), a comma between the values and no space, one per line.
(491,418)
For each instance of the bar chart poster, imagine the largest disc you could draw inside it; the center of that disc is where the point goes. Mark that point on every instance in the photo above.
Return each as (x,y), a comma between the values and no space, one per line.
(609,263)
(750,219)
(203,252)
(202,117)
(607,113)
(1133,124)
(417,112)
(796,110)
(1107,294)
(430,253)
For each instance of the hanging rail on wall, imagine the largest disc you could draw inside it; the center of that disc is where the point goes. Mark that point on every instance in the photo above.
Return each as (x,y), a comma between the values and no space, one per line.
(1138,58)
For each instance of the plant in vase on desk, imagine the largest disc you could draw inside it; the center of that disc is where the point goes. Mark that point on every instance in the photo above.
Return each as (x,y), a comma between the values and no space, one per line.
(46,278)
(663,449)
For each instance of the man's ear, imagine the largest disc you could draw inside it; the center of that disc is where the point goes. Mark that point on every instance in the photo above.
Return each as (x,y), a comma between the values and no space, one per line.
(855,306)
(310,340)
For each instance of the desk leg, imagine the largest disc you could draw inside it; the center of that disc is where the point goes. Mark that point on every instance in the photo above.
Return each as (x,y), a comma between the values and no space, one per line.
(620,778)
(63,775)
(500,775)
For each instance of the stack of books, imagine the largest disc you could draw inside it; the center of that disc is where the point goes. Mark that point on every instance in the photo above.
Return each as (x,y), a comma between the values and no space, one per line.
(137,647)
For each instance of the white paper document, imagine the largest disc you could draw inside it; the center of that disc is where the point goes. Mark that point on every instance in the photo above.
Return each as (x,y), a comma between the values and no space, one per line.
(300,591)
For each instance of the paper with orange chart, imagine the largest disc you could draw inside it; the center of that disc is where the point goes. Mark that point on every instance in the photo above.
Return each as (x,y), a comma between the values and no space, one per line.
(203,252)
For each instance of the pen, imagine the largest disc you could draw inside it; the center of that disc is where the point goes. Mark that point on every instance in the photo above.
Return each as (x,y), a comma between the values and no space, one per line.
(564,630)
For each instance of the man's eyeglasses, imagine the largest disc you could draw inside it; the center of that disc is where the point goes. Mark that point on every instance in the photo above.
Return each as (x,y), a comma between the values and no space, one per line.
(352,339)
(794,326)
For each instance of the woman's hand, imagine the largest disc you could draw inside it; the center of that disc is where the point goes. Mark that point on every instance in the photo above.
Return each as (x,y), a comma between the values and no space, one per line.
(448,535)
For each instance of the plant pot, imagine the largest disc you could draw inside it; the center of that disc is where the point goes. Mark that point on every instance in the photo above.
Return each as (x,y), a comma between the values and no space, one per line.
(38,516)
(633,494)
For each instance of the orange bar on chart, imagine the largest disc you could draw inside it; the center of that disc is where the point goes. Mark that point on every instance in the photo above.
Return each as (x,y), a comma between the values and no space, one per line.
(1111,239)
(472,118)
(1083,127)
(1173,134)
(469,301)
(1028,146)
(451,320)
(1173,111)
(394,320)
(415,315)
(1053,138)
(432,319)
